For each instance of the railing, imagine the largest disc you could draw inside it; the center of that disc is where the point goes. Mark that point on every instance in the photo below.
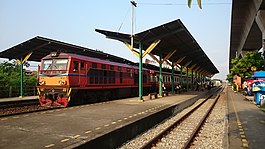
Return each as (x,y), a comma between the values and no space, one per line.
(14,91)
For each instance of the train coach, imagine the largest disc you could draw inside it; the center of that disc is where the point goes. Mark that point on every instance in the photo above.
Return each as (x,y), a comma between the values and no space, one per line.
(69,79)
(166,78)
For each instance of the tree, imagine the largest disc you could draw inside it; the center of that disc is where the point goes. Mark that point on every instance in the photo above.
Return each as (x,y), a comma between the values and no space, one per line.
(244,67)
(10,77)
(9,74)
(198,2)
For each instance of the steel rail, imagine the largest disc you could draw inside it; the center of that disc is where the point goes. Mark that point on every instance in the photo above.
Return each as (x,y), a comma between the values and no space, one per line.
(18,108)
(199,126)
(156,139)
(165,132)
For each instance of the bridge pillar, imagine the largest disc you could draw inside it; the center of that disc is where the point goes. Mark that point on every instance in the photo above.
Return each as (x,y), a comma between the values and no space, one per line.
(260,19)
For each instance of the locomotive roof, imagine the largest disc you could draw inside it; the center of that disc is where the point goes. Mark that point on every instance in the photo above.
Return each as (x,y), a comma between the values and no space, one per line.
(173,36)
(96,60)
(41,47)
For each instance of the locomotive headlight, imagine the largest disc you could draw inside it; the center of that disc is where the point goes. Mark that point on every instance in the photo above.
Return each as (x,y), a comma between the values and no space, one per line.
(42,82)
(62,82)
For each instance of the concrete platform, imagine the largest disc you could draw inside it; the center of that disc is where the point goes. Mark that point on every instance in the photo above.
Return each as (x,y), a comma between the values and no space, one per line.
(246,122)
(67,127)
(15,99)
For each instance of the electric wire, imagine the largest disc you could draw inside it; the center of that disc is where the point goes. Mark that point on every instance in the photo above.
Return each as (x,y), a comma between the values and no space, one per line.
(124,19)
(179,4)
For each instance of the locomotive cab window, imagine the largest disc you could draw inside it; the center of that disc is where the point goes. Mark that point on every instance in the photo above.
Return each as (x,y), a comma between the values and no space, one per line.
(47,64)
(54,64)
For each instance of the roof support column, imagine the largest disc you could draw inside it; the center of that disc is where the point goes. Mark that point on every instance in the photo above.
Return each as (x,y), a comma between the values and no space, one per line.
(140,54)
(260,19)
(140,73)
(172,78)
(192,81)
(160,76)
(21,79)
(21,62)
(195,75)
(187,78)
(181,83)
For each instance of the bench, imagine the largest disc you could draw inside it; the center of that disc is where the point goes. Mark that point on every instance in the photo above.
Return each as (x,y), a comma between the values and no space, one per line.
(152,94)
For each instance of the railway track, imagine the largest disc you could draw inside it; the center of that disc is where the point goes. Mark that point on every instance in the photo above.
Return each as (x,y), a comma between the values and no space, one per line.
(21,107)
(180,130)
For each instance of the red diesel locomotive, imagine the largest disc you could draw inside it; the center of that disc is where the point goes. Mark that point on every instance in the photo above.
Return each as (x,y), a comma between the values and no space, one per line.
(70,79)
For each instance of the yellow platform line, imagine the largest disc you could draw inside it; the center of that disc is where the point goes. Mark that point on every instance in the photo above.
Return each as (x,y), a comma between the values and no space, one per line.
(88,131)
(76,136)
(240,128)
(50,145)
(64,140)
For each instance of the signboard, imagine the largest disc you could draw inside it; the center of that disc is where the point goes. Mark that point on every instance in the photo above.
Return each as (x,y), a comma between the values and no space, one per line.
(258,86)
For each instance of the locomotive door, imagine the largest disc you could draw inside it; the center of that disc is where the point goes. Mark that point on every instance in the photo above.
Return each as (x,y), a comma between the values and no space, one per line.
(82,79)
(76,73)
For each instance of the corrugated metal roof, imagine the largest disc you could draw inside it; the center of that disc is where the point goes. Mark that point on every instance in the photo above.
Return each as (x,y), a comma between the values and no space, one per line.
(41,47)
(174,36)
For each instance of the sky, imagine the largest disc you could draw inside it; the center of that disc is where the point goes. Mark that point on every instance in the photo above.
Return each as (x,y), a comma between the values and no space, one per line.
(75,21)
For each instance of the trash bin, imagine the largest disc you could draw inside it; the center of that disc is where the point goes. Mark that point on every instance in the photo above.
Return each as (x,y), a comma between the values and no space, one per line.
(258,88)
(259,98)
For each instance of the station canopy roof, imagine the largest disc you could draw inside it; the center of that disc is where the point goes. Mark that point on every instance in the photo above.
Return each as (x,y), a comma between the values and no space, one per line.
(173,36)
(40,47)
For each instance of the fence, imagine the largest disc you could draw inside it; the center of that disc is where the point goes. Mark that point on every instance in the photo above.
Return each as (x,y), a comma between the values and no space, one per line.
(14,91)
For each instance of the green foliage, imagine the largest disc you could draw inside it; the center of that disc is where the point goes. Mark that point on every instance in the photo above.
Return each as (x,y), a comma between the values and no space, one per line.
(10,75)
(242,67)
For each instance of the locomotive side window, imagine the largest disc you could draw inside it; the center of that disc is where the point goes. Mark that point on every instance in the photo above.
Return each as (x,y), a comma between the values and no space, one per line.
(94,65)
(75,66)
(111,67)
(103,66)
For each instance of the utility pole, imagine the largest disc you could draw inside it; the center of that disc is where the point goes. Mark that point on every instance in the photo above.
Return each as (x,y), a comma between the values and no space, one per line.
(133,4)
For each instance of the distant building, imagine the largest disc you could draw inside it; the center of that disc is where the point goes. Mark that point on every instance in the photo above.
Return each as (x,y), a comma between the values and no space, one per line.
(30,72)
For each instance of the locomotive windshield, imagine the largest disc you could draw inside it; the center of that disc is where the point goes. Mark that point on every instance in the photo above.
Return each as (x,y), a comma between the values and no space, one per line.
(54,64)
